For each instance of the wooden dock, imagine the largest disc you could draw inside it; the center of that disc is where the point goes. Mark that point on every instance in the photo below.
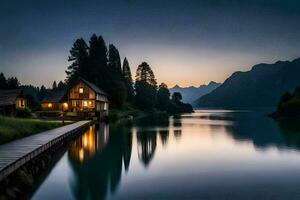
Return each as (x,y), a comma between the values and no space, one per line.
(15,154)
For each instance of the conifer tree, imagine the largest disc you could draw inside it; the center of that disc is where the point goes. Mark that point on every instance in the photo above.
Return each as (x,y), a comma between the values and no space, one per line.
(117,88)
(128,80)
(12,83)
(163,97)
(3,83)
(54,85)
(145,87)
(78,57)
(98,69)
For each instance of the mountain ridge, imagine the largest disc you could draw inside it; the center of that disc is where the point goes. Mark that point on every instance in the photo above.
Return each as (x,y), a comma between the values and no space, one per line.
(261,86)
(191,93)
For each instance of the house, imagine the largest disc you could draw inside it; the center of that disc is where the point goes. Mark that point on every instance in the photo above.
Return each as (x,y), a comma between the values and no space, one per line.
(54,101)
(11,101)
(81,98)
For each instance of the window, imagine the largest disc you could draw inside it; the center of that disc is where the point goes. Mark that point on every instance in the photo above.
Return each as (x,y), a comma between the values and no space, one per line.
(80,90)
(85,104)
(22,103)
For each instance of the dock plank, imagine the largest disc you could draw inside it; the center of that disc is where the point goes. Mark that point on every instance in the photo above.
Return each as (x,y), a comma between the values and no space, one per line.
(12,153)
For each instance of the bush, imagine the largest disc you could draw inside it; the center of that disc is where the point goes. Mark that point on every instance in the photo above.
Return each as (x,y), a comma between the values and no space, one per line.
(24,113)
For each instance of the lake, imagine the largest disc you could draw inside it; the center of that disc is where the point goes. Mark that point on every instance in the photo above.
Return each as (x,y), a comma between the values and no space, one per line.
(209,154)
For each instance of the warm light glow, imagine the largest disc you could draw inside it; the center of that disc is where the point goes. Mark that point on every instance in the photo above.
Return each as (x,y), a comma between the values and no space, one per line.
(81,90)
(49,105)
(81,154)
(90,103)
(85,103)
(65,106)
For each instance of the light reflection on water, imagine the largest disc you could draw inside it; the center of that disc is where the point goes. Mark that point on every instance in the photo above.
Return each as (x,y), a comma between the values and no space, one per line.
(205,155)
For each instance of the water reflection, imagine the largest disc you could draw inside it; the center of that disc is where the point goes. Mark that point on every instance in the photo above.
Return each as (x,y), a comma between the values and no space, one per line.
(185,156)
(98,169)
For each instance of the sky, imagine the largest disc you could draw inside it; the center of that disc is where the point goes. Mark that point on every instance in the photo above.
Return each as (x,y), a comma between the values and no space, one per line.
(187,42)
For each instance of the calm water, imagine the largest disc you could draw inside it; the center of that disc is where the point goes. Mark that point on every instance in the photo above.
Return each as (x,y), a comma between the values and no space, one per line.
(204,155)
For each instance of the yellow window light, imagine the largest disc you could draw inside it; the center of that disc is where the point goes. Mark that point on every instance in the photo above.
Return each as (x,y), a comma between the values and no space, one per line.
(65,105)
(85,103)
(49,105)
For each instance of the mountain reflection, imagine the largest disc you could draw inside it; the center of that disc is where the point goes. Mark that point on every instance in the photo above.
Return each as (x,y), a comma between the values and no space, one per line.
(262,131)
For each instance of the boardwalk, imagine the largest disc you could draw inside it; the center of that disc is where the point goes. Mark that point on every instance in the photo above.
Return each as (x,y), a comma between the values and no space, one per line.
(17,153)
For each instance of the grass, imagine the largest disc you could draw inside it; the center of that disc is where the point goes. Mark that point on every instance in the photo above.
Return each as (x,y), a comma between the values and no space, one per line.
(15,128)
(120,113)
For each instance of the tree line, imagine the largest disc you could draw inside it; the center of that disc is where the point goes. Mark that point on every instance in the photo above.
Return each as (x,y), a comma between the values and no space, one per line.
(33,94)
(103,67)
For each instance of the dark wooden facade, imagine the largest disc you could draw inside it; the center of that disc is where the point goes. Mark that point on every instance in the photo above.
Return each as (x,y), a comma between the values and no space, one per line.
(11,101)
(81,99)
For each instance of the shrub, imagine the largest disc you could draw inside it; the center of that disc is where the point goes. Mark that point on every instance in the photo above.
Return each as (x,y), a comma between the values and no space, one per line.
(24,113)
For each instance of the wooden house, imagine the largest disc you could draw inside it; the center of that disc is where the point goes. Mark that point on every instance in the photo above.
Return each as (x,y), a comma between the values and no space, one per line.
(81,98)
(54,101)
(11,101)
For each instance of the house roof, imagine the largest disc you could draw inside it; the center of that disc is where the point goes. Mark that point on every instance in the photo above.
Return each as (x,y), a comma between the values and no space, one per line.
(93,86)
(9,97)
(54,97)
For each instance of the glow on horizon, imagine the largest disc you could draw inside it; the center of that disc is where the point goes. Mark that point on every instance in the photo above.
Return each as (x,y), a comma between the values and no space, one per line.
(173,65)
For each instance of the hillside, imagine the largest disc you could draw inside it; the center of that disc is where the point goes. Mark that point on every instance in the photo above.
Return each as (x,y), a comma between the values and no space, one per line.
(190,94)
(262,86)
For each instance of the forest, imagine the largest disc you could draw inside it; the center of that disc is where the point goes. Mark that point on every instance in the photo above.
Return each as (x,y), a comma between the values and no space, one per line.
(102,65)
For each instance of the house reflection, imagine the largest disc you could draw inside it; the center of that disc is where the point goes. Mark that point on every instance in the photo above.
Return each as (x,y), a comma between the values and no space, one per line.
(85,147)
(99,170)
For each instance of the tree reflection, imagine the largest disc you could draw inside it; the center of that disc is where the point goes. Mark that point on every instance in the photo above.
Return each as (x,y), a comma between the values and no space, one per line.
(164,136)
(146,146)
(100,171)
(177,134)
(264,132)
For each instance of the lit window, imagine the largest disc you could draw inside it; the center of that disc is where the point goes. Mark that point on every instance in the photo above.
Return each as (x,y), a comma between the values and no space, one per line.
(65,106)
(81,90)
(49,105)
(22,103)
(85,103)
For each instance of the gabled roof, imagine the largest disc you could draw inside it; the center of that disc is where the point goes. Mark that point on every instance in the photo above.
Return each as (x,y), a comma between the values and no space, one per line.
(55,97)
(9,97)
(93,86)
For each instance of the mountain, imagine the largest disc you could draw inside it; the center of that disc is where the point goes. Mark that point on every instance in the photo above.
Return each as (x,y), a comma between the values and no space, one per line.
(190,94)
(262,86)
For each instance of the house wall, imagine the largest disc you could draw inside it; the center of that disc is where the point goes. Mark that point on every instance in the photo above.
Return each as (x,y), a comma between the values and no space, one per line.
(88,93)
(52,106)
(82,98)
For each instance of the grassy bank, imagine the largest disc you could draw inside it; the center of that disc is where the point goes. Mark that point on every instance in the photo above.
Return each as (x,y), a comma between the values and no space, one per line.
(15,128)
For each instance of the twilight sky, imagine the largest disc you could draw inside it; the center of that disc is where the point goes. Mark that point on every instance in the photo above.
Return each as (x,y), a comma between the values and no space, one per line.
(185,42)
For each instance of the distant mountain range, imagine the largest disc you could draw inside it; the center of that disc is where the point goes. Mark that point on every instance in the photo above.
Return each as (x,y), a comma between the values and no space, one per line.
(190,94)
(262,86)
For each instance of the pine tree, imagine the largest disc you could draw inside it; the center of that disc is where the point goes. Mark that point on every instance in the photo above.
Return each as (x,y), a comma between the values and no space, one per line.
(128,80)
(145,87)
(144,73)
(54,85)
(114,61)
(3,83)
(78,57)
(42,93)
(61,86)
(163,97)
(12,83)
(117,88)
(97,61)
